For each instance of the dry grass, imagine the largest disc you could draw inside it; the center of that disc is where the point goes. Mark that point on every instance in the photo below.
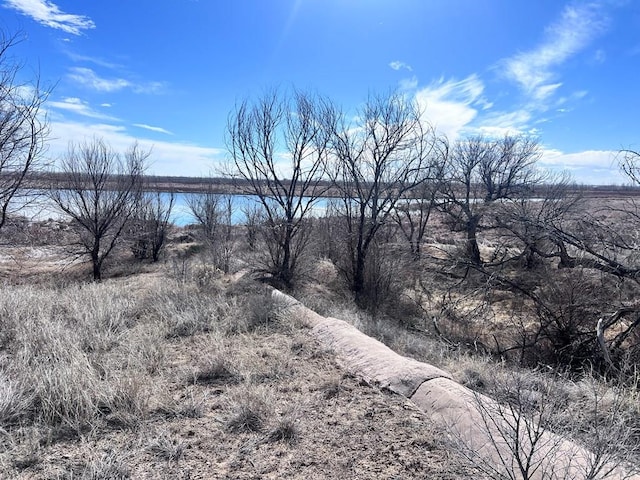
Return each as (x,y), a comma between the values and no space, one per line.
(180,371)
(152,376)
(602,416)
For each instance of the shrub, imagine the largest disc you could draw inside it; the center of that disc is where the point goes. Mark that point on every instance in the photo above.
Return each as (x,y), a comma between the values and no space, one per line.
(527,430)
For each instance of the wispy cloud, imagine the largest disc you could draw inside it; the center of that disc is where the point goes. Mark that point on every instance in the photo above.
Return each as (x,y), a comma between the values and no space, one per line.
(88,78)
(398,65)
(588,158)
(76,57)
(534,70)
(153,129)
(194,160)
(451,105)
(498,124)
(408,83)
(79,107)
(599,57)
(49,14)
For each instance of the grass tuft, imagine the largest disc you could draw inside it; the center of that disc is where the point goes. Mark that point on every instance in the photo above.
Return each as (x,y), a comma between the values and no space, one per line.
(285,430)
(168,447)
(249,411)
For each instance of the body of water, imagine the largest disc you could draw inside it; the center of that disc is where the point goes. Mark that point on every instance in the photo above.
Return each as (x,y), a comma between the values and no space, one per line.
(181,214)
(41,209)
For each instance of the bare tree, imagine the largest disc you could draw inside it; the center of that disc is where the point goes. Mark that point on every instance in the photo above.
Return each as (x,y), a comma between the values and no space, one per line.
(279,145)
(629,161)
(413,216)
(99,193)
(207,210)
(213,213)
(378,161)
(528,223)
(150,224)
(480,172)
(23,129)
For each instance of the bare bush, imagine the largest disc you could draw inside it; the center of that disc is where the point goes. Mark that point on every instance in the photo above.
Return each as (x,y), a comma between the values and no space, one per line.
(214,217)
(523,436)
(150,225)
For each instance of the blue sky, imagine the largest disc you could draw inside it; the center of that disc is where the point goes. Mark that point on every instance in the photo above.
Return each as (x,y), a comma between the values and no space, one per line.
(168,72)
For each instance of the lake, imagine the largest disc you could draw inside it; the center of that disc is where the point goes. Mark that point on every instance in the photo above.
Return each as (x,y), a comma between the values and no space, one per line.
(180,216)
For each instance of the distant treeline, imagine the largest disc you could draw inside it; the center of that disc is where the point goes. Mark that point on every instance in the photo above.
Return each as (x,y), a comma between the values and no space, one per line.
(238,186)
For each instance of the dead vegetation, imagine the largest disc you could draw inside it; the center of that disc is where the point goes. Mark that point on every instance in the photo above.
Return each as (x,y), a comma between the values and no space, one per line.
(180,370)
(153,376)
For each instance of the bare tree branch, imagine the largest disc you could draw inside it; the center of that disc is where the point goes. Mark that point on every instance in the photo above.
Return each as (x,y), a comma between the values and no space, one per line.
(378,160)
(23,130)
(279,145)
(100,195)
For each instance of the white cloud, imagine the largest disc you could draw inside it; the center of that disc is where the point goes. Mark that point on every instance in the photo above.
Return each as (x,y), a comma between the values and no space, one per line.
(79,107)
(591,167)
(151,128)
(599,57)
(578,25)
(88,78)
(499,124)
(49,14)
(167,158)
(545,91)
(76,57)
(398,65)
(587,158)
(409,83)
(451,105)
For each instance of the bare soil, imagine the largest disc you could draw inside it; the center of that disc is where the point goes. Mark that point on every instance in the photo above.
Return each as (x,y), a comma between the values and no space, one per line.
(315,421)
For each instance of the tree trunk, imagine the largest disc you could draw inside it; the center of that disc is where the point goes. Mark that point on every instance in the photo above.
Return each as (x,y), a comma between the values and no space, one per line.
(357,284)
(472,249)
(95,260)
(286,273)
(97,267)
